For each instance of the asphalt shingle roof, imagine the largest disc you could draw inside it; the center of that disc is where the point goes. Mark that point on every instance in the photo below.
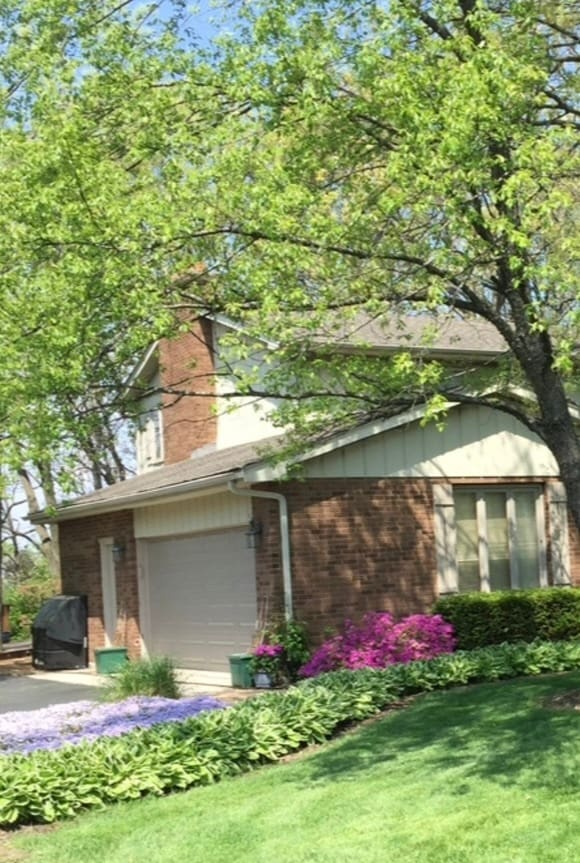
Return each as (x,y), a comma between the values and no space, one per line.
(419,333)
(220,463)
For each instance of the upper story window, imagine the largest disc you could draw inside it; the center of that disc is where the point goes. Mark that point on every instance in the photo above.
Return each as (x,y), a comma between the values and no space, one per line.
(500,538)
(150,441)
(149,438)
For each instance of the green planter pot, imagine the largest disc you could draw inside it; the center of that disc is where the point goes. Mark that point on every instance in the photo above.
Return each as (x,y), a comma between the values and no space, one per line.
(108,660)
(240,670)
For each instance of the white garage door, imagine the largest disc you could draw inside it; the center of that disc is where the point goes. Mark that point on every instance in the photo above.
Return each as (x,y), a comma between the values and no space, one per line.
(202,598)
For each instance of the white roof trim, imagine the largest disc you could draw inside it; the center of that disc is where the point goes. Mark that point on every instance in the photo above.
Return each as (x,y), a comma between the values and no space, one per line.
(142,365)
(224,321)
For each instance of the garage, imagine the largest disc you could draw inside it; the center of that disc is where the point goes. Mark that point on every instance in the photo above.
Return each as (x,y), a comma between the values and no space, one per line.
(202,598)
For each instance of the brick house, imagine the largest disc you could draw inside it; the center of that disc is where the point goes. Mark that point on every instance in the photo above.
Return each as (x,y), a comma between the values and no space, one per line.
(208,541)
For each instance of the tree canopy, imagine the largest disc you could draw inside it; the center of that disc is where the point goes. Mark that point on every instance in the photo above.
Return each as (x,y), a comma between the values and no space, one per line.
(323,159)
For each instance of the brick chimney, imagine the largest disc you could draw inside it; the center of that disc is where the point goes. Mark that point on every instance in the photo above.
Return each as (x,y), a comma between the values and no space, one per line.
(186,366)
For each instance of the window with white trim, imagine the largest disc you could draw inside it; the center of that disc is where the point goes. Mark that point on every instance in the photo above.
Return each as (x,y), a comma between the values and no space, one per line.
(499,538)
(149,436)
(150,441)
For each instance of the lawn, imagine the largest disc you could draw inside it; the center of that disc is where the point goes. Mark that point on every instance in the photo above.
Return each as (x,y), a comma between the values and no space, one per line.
(484,774)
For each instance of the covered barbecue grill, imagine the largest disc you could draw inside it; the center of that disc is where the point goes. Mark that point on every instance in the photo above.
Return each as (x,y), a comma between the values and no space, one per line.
(59,634)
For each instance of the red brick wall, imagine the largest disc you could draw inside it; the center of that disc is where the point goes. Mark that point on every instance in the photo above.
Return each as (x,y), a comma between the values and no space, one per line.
(269,586)
(81,573)
(186,364)
(357,546)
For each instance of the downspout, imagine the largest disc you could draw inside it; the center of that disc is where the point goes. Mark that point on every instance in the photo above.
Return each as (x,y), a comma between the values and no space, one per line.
(284,539)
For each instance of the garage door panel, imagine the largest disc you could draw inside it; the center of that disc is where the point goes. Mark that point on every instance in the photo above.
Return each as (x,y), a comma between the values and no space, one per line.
(202,598)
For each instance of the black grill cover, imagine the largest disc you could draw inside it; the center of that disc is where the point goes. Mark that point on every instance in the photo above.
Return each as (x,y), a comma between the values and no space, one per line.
(59,634)
(63,618)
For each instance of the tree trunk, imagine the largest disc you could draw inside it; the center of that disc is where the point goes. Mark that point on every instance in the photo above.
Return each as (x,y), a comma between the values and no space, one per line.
(556,423)
(48,541)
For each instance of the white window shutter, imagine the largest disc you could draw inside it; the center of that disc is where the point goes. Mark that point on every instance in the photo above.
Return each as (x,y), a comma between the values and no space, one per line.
(445,542)
(559,542)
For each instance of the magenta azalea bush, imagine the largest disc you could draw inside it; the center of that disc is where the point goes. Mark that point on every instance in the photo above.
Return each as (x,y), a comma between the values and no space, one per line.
(86,721)
(380,641)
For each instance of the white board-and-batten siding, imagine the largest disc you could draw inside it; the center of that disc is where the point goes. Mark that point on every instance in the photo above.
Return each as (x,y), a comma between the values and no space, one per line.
(474,442)
(194,515)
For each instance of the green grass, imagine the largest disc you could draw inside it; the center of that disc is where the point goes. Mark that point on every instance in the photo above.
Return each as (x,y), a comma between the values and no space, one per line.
(484,774)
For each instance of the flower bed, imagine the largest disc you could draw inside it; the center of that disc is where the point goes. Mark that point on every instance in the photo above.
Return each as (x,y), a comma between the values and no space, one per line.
(46,786)
(85,721)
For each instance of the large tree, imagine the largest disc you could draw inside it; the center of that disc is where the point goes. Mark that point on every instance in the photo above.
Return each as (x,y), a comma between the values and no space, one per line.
(325,160)
(407,157)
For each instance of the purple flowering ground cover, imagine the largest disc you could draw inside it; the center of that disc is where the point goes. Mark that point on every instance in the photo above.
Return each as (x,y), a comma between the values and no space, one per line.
(86,721)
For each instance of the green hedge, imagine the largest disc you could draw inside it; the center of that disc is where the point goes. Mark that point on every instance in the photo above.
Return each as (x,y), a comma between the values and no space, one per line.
(47,786)
(482,619)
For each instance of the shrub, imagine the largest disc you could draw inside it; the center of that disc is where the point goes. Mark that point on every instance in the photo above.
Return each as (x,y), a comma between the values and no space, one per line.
(292,635)
(379,641)
(481,619)
(46,786)
(282,651)
(25,600)
(151,677)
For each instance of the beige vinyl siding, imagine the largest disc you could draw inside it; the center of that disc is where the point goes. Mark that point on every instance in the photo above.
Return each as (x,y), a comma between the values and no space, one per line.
(475,442)
(195,515)
(240,419)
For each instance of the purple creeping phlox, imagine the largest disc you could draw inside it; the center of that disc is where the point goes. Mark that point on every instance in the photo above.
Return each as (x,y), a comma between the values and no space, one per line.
(380,641)
(87,721)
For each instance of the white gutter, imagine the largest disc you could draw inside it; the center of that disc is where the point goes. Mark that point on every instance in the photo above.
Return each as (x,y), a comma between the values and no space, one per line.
(284,539)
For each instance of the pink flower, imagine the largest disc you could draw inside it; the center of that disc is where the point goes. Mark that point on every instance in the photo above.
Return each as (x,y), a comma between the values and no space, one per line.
(269,650)
(379,641)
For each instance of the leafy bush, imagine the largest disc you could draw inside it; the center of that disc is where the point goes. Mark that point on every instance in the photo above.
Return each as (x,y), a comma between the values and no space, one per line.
(25,600)
(46,786)
(379,641)
(151,677)
(481,619)
(292,639)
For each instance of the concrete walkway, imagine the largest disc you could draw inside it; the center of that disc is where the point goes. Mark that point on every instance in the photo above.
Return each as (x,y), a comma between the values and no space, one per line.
(23,688)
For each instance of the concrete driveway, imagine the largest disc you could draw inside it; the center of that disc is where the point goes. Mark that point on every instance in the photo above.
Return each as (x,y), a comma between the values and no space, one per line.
(32,691)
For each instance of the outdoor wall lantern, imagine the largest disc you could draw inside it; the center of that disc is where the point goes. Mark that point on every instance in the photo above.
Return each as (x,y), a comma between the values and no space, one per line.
(254,534)
(118,551)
